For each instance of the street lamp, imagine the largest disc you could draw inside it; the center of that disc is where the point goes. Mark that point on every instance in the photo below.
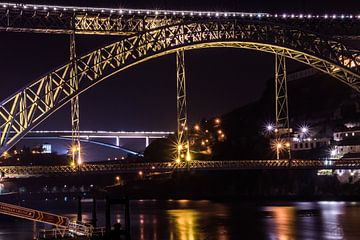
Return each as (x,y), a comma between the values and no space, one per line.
(278,149)
(269,128)
(304,130)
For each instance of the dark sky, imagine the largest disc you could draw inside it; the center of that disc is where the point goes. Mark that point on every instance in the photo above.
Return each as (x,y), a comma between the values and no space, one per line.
(143,97)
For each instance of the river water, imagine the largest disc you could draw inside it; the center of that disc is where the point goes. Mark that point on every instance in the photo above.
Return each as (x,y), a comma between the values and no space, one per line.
(191,220)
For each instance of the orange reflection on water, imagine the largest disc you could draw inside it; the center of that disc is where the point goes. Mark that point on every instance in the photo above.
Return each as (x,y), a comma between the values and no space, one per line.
(183,224)
(284,220)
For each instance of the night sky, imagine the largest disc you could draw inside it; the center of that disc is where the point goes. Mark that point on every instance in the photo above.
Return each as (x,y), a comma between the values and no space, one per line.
(144,97)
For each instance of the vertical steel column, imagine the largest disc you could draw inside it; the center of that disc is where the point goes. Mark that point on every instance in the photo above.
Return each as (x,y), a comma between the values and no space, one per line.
(281,105)
(75,114)
(183,147)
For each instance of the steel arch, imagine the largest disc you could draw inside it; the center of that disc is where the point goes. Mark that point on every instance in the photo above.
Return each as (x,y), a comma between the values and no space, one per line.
(28,107)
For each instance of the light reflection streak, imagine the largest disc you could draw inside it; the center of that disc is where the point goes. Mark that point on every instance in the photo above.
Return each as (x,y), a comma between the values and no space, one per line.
(141,220)
(330,212)
(284,221)
(183,224)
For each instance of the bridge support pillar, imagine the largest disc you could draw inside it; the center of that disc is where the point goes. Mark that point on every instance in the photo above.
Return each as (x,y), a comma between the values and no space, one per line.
(117,141)
(183,146)
(147,141)
(282,130)
(75,113)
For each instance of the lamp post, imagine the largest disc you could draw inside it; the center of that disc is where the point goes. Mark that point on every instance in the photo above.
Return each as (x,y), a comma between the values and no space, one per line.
(278,149)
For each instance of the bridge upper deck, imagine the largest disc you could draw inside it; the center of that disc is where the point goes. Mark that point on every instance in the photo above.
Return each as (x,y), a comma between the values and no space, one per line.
(115,21)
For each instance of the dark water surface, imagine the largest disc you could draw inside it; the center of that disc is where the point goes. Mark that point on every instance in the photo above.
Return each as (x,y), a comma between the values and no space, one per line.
(191,220)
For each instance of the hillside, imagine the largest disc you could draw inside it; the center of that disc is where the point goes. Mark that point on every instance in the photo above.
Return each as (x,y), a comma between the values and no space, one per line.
(318,101)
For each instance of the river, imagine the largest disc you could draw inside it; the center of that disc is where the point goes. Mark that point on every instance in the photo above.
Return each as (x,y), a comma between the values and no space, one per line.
(192,220)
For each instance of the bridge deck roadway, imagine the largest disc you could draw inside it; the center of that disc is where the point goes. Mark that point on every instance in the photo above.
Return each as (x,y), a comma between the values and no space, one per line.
(120,167)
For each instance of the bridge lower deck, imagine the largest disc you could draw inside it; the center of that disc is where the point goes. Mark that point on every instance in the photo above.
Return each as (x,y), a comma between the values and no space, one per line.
(121,167)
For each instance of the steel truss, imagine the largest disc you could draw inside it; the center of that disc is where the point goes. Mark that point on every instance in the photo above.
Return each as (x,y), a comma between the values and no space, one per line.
(28,171)
(63,21)
(183,145)
(105,21)
(281,105)
(75,107)
(29,106)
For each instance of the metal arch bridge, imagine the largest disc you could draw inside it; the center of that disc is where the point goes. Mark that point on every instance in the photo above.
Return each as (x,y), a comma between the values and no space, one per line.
(147,34)
(123,167)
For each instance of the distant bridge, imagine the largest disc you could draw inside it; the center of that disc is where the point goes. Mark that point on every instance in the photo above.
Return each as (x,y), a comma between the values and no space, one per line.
(90,136)
(121,167)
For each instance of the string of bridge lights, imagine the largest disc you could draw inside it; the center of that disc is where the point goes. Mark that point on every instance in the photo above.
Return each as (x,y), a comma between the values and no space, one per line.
(175,12)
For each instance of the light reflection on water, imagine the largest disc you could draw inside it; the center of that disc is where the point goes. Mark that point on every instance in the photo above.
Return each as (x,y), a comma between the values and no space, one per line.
(183,224)
(282,225)
(192,220)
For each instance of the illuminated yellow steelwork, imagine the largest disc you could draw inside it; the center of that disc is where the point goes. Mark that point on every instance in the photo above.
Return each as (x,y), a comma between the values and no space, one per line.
(75,112)
(281,101)
(182,133)
(31,105)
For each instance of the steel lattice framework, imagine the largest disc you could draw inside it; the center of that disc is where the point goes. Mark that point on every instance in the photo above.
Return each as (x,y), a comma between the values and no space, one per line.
(281,104)
(75,111)
(28,107)
(281,100)
(118,21)
(183,146)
